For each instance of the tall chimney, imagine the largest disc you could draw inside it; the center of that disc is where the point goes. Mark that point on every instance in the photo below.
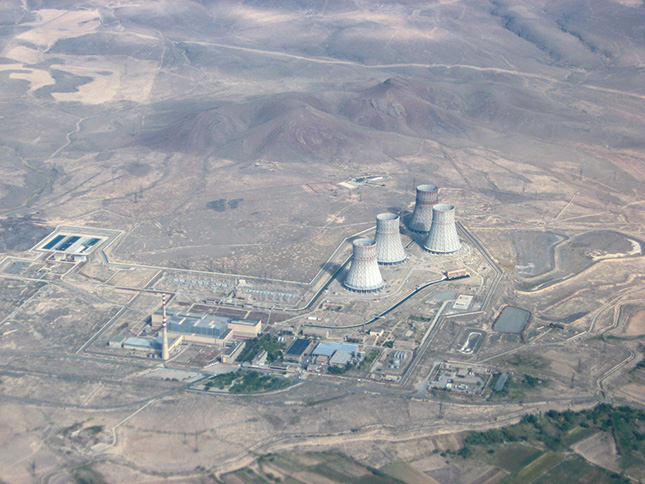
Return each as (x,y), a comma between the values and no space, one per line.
(165,354)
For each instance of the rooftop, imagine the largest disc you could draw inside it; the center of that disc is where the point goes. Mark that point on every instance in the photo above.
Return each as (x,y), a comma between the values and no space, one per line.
(208,319)
(209,325)
(328,349)
(340,357)
(298,347)
(146,343)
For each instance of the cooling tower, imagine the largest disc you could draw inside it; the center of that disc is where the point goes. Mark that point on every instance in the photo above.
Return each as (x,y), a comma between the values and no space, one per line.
(389,249)
(442,237)
(364,274)
(427,197)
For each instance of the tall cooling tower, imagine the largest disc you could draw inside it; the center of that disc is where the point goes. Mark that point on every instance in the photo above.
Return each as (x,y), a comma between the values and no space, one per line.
(442,237)
(364,274)
(427,197)
(389,249)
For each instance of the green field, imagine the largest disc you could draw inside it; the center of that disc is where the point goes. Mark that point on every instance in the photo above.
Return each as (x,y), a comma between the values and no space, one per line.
(87,475)
(538,467)
(316,466)
(404,472)
(538,448)
(246,382)
(266,342)
(221,381)
(513,457)
(577,435)
(576,469)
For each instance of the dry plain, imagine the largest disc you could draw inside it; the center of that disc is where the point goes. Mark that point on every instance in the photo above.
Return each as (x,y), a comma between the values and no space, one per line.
(212,137)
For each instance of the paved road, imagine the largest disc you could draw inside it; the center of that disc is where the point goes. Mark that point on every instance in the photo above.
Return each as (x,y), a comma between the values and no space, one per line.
(498,271)
(384,313)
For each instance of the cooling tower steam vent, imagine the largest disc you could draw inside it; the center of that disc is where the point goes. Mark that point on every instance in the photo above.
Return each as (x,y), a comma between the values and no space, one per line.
(442,237)
(427,197)
(389,249)
(364,274)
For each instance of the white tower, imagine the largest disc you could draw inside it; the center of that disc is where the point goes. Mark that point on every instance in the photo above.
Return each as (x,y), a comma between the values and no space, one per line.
(442,237)
(164,331)
(389,249)
(364,274)
(427,197)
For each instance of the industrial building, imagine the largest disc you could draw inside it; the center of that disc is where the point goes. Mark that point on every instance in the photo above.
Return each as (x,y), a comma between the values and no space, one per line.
(427,197)
(208,329)
(152,346)
(442,238)
(460,379)
(463,302)
(232,352)
(340,358)
(326,351)
(456,274)
(148,344)
(389,248)
(364,274)
(297,350)
(72,244)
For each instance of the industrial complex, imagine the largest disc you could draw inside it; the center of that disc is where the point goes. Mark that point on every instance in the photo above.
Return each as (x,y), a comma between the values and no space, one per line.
(326,324)
(412,301)
(258,241)
(407,305)
(329,329)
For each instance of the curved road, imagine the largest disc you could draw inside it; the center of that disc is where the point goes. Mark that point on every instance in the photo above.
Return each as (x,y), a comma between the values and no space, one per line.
(384,313)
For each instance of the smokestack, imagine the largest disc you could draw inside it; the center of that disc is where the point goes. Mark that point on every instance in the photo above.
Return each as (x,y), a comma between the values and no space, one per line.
(389,249)
(427,197)
(442,238)
(364,274)
(165,354)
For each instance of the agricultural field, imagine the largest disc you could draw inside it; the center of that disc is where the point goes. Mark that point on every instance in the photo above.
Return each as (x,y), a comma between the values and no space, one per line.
(550,447)
(312,467)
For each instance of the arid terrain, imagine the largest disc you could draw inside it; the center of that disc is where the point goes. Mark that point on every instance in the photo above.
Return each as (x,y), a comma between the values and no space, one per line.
(220,142)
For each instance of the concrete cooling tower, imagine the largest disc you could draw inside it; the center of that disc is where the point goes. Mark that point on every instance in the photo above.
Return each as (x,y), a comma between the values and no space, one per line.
(389,249)
(427,197)
(442,237)
(364,274)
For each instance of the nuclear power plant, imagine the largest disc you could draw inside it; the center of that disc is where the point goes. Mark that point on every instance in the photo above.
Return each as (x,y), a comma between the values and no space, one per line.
(389,248)
(435,219)
(364,274)
(442,238)
(427,197)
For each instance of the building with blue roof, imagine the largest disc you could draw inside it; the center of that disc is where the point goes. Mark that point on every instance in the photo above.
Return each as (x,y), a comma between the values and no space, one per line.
(328,349)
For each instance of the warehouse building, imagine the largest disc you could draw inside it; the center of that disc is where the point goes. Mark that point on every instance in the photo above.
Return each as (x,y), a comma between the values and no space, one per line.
(326,351)
(208,329)
(297,350)
(149,345)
